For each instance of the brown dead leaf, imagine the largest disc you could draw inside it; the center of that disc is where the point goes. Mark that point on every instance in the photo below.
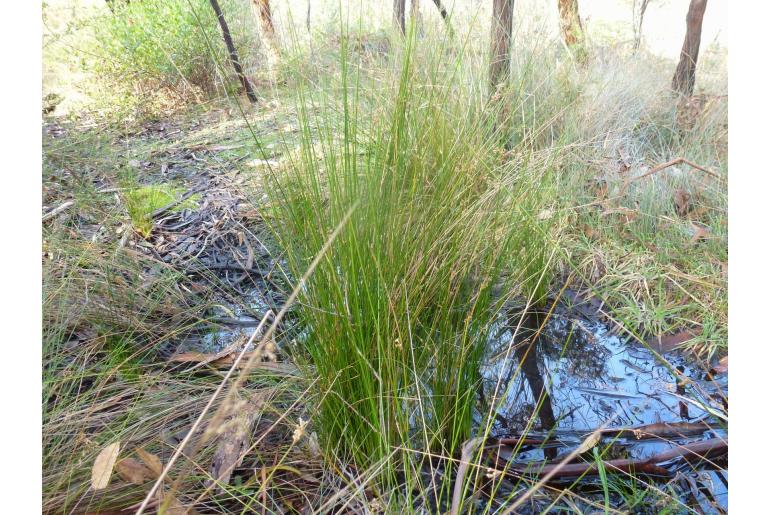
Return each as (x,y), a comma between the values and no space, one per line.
(152,462)
(103,465)
(700,232)
(191,357)
(682,202)
(601,188)
(590,232)
(132,471)
(246,213)
(721,367)
(669,342)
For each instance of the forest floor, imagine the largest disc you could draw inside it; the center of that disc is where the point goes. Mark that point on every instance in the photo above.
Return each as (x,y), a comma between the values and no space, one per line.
(158,266)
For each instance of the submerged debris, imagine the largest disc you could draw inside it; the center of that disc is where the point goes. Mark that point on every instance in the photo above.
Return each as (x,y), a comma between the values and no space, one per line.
(655,417)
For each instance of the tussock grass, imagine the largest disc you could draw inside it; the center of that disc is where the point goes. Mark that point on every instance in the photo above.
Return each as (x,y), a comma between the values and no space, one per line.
(444,230)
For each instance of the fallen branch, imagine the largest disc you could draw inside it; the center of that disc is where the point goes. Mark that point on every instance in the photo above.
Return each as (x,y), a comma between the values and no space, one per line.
(548,475)
(643,432)
(660,430)
(58,210)
(677,161)
(694,453)
(233,267)
(112,190)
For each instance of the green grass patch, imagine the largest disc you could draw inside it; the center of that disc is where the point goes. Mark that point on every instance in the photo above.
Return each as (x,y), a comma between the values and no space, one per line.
(143,201)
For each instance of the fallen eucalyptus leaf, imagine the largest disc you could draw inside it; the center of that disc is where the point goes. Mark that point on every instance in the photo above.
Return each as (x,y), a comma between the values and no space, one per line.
(103,465)
(153,462)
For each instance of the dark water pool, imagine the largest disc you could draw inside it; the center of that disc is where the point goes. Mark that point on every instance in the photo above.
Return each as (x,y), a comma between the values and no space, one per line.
(579,375)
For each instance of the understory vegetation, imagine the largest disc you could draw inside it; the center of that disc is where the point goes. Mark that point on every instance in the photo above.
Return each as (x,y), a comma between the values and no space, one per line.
(395,210)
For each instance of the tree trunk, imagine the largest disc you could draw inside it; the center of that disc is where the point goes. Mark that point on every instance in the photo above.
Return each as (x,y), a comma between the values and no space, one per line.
(399,15)
(444,15)
(266,21)
(638,21)
(441,10)
(268,35)
(414,13)
(501,36)
(569,22)
(265,16)
(684,77)
(233,53)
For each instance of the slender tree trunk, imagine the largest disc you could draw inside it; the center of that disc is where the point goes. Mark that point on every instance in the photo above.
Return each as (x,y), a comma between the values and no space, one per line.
(569,22)
(441,10)
(399,15)
(268,34)
(444,15)
(638,21)
(501,36)
(684,77)
(233,53)
(266,21)
(265,16)
(416,15)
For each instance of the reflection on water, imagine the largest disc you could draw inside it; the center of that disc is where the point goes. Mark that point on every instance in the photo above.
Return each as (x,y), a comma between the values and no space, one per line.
(582,375)
(576,375)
